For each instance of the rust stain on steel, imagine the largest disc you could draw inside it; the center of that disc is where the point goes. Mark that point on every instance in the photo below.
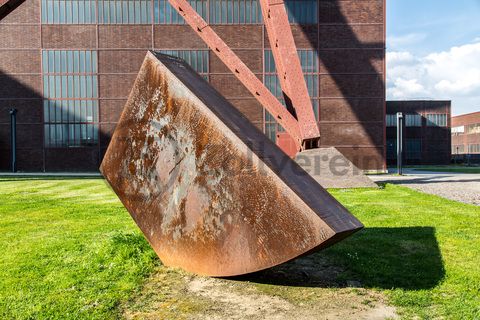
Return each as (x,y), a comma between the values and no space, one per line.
(209,191)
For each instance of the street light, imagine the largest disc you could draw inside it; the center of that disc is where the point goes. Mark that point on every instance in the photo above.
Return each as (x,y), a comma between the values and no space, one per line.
(399,142)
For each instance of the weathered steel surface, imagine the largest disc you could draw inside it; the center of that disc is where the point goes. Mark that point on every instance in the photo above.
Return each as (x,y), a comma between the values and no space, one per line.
(212,194)
(288,66)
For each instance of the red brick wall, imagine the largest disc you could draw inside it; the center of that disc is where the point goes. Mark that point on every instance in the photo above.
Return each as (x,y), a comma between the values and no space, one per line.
(349,38)
(465,139)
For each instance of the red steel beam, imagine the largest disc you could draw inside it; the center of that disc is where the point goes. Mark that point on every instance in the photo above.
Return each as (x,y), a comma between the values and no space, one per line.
(288,66)
(242,72)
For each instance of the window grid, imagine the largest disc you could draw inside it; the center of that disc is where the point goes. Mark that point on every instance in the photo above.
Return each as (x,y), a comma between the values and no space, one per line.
(436,120)
(391,120)
(474,148)
(472,128)
(309,63)
(139,11)
(302,11)
(413,120)
(458,130)
(124,11)
(197,59)
(235,12)
(164,13)
(68,11)
(70,90)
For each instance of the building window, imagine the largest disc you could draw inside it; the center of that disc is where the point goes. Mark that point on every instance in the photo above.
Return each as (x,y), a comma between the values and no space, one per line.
(391,120)
(436,120)
(68,11)
(302,11)
(140,11)
(308,60)
(197,59)
(164,13)
(124,11)
(70,104)
(413,120)
(413,149)
(474,148)
(473,128)
(235,12)
(458,130)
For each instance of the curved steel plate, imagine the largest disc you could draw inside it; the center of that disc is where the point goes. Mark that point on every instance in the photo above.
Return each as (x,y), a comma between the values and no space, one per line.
(210,192)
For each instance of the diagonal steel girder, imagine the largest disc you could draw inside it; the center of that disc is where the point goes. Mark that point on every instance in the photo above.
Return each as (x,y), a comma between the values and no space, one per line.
(288,66)
(287,62)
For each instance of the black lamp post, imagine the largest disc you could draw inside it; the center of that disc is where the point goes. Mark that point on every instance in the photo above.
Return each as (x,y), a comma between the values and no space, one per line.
(399,142)
(13,138)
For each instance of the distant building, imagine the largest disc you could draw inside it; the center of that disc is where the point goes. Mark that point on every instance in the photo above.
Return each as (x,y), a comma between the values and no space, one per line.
(466,137)
(426,132)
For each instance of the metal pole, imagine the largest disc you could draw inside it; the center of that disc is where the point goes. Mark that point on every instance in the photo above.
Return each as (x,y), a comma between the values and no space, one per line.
(13,138)
(399,142)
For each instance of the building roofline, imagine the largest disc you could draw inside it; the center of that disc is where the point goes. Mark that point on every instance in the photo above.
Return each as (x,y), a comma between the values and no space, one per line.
(420,100)
(466,114)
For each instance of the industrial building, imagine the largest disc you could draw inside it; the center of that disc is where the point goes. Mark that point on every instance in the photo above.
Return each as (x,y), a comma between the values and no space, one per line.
(68,67)
(466,138)
(426,132)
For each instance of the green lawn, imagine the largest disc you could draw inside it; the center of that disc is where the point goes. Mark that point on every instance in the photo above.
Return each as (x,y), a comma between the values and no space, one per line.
(70,250)
(455,169)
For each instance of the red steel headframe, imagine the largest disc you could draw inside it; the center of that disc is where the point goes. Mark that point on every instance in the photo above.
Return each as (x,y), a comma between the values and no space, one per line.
(288,66)
(286,60)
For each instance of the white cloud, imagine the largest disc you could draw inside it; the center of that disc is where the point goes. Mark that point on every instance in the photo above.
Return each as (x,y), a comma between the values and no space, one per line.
(451,75)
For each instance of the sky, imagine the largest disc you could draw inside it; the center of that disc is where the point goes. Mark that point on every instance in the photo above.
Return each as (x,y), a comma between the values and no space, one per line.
(433,52)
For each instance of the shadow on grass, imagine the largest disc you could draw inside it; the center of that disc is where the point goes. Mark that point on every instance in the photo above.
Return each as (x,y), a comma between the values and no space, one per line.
(386,258)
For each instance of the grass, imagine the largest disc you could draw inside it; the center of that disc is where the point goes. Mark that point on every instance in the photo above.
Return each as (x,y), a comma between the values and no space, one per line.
(422,250)
(70,250)
(454,169)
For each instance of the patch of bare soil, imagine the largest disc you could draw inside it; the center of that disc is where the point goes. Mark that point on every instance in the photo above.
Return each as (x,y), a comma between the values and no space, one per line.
(305,288)
(231,301)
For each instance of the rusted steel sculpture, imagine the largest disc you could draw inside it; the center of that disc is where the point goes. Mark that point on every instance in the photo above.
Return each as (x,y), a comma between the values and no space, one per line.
(212,194)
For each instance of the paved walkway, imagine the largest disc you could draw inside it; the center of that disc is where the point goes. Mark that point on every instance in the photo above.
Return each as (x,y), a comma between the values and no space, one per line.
(463,187)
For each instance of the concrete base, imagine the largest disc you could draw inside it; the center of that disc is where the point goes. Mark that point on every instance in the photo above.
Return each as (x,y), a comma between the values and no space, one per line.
(331,169)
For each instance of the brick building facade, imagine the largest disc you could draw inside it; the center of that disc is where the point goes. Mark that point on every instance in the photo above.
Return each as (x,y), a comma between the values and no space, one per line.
(68,66)
(426,132)
(466,137)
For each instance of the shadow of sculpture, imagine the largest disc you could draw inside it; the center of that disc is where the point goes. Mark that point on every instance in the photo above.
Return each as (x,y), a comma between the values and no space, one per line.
(387,258)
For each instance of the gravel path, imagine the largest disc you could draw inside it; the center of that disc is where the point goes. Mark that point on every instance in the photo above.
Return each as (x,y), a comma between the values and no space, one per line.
(463,187)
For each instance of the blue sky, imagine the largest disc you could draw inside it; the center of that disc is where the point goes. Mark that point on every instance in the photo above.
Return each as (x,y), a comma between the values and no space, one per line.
(433,51)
